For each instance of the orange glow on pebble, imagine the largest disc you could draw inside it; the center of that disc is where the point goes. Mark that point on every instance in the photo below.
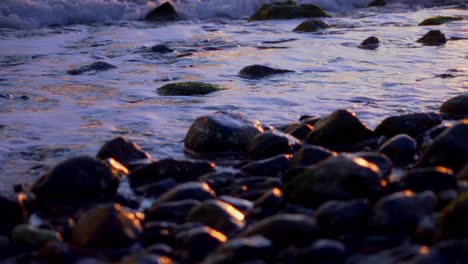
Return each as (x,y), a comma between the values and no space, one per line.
(364,163)
(277,192)
(408,193)
(234,212)
(218,235)
(383,183)
(424,250)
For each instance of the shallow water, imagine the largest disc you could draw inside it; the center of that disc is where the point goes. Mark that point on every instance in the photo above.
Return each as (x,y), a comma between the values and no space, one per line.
(47,115)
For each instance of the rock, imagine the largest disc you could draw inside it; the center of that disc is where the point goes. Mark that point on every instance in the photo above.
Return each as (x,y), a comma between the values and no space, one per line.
(439,20)
(272,143)
(274,166)
(124,151)
(463,173)
(299,130)
(198,242)
(340,129)
(377,3)
(324,251)
(310,155)
(108,226)
(449,149)
(189,190)
(33,236)
(337,178)
(157,188)
(240,204)
(171,211)
(287,10)
(164,12)
(311,25)
(221,132)
(426,138)
(410,124)
(285,229)
(401,149)
(433,38)
(340,217)
(453,220)
(260,71)
(160,48)
(456,107)
(400,253)
(369,43)
(218,215)
(77,180)
(435,179)
(143,258)
(158,233)
(92,68)
(12,214)
(187,89)
(380,160)
(240,250)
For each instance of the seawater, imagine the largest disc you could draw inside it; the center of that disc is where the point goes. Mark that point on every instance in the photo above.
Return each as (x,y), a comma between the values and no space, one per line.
(47,115)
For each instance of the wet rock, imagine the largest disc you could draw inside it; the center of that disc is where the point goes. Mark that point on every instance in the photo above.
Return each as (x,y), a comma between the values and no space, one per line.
(33,236)
(426,138)
(453,221)
(310,155)
(439,20)
(449,149)
(171,211)
(399,254)
(274,166)
(370,43)
(252,188)
(339,217)
(337,178)
(92,68)
(124,151)
(143,258)
(78,179)
(218,215)
(272,199)
(156,189)
(401,149)
(272,143)
(285,229)
(433,38)
(240,250)
(382,161)
(456,107)
(164,12)
(160,48)
(221,132)
(189,190)
(311,25)
(410,124)
(377,3)
(160,249)
(324,251)
(199,242)
(259,71)
(299,130)
(240,204)
(287,10)
(188,88)
(219,181)
(155,232)
(180,170)
(107,226)
(463,173)
(340,128)
(12,214)
(435,179)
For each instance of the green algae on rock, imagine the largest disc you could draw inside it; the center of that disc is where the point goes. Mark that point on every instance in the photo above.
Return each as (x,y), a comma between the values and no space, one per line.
(287,10)
(311,25)
(439,20)
(187,89)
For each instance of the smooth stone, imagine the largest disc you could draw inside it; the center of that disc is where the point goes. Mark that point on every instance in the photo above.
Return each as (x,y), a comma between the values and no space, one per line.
(410,124)
(340,217)
(324,251)
(400,253)
(107,226)
(170,211)
(190,190)
(337,178)
(445,252)
(155,189)
(157,232)
(240,250)
(287,10)
(93,67)
(463,173)
(33,236)
(187,89)
(198,242)
(439,20)
(426,138)
(240,204)
(309,155)
(271,143)
(164,12)
(271,167)
(456,107)
(370,43)
(218,215)
(311,25)
(340,129)
(449,149)
(271,199)
(144,258)
(380,160)
(219,181)
(377,3)
(299,130)
(434,179)
(452,224)
(221,132)
(12,214)
(160,249)
(260,71)
(124,151)
(180,170)
(160,48)
(401,149)
(433,38)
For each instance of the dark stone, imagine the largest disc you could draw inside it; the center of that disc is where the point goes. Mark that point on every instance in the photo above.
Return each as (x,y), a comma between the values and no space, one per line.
(426,138)
(198,242)
(310,155)
(143,258)
(272,199)
(401,149)
(189,190)
(456,107)
(107,226)
(299,130)
(453,221)
(260,71)
(160,48)
(463,173)
(380,160)
(449,149)
(433,38)
(435,179)
(78,179)
(240,204)
(92,68)
(124,151)
(170,211)
(439,20)
(311,25)
(274,166)
(287,10)
(399,253)
(156,189)
(157,233)
(187,89)
(341,128)
(324,251)
(272,143)
(164,12)
(35,237)
(12,214)
(241,250)
(369,43)
(410,124)
(180,170)
(377,3)
(220,180)
(221,132)
(340,217)
(337,178)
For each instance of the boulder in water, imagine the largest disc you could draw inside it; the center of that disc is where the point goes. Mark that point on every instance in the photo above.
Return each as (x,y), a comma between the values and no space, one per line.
(92,68)
(377,3)
(433,38)
(311,25)
(287,10)
(259,71)
(439,20)
(370,43)
(164,12)
(456,107)
(160,48)
(187,89)
(124,151)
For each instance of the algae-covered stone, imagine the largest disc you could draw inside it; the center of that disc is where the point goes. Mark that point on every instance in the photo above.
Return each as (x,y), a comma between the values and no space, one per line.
(433,38)
(456,107)
(188,88)
(311,25)
(287,10)
(164,12)
(439,20)
(92,68)
(259,71)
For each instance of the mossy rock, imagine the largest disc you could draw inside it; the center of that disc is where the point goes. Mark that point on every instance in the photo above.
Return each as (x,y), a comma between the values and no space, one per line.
(311,25)
(439,20)
(188,88)
(287,10)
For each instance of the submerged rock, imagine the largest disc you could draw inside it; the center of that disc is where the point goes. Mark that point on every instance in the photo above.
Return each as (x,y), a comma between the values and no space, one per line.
(369,43)
(435,179)
(410,124)
(401,149)
(433,38)
(272,143)
(456,107)
(259,71)
(124,151)
(287,10)
(92,68)
(439,20)
(187,89)
(311,25)
(160,48)
(377,3)
(164,12)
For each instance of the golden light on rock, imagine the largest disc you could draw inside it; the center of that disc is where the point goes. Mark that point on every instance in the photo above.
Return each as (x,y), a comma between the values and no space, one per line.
(364,163)
(236,214)
(277,192)
(218,235)
(408,193)
(424,250)
(443,170)
(383,183)
(116,167)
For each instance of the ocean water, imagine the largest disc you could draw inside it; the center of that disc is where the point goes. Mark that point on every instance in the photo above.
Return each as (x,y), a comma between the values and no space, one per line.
(47,115)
